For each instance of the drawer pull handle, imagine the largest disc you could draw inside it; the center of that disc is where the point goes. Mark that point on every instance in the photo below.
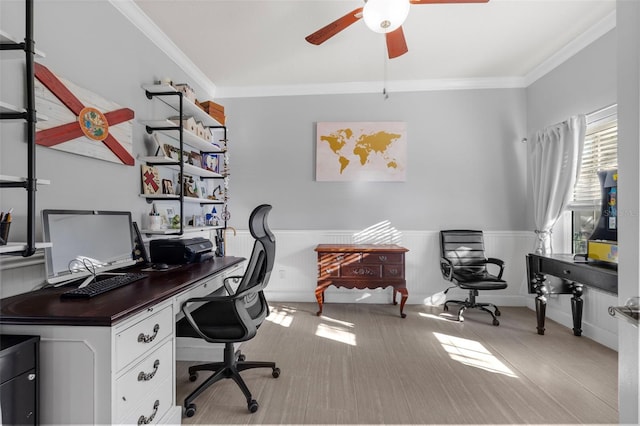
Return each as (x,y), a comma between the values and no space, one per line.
(142,420)
(382,258)
(339,257)
(145,377)
(566,272)
(329,271)
(393,271)
(142,338)
(31,377)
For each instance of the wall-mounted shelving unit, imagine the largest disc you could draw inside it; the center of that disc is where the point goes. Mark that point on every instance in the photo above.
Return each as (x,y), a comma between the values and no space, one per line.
(182,138)
(13,49)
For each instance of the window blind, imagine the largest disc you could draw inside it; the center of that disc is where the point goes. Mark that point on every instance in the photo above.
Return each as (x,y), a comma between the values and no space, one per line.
(600,153)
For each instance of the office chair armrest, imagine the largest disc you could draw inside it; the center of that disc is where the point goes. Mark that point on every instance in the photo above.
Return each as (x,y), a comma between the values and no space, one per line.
(446,268)
(225,281)
(250,329)
(498,262)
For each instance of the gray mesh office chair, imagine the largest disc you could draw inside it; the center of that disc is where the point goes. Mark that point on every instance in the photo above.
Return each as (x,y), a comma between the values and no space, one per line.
(234,317)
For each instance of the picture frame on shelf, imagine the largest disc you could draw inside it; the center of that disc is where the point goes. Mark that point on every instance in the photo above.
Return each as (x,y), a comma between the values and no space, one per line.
(202,189)
(167,187)
(190,187)
(150,180)
(195,159)
(170,151)
(211,162)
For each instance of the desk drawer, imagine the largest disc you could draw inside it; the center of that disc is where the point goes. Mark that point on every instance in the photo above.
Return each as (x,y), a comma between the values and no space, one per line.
(382,258)
(565,271)
(144,378)
(152,408)
(142,336)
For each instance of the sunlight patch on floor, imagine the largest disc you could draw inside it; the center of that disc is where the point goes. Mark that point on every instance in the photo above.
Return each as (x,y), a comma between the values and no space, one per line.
(473,354)
(282,316)
(432,316)
(337,330)
(336,333)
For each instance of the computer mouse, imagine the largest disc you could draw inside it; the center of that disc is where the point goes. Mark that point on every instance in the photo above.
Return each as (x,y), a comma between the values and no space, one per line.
(160,266)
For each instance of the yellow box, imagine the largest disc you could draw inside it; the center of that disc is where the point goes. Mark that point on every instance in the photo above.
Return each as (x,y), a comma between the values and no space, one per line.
(602,250)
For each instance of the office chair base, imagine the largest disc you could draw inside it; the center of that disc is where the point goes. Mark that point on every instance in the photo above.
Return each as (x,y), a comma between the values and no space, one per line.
(471,303)
(230,368)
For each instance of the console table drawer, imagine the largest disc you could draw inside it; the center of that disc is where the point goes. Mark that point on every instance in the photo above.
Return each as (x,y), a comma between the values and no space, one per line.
(361,271)
(142,336)
(383,258)
(338,258)
(393,271)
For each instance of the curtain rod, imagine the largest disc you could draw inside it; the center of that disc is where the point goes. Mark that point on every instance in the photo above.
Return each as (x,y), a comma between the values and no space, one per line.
(595,112)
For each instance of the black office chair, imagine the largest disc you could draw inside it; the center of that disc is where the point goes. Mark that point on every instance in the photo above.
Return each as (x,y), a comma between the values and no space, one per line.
(463,262)
(234,317)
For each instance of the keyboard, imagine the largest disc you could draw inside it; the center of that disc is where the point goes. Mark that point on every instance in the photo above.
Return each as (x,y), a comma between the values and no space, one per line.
(98,287)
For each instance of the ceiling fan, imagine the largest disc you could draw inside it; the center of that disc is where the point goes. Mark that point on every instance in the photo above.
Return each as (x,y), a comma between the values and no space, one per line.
(381,16)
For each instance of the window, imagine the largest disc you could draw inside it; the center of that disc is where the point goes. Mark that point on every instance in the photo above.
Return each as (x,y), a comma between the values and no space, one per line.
(600,153)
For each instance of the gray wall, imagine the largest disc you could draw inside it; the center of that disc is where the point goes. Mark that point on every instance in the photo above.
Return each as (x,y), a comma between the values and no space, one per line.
(466,166)
(94,46)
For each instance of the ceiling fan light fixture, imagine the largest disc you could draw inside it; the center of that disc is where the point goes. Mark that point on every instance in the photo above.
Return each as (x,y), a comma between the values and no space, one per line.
(384,16)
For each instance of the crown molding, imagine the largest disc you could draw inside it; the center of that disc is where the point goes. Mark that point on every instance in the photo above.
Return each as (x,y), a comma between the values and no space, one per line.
(133,13)
(574,46)
(358,87)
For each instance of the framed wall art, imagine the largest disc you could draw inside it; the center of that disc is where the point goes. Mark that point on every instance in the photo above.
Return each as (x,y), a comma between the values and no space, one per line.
(361,151)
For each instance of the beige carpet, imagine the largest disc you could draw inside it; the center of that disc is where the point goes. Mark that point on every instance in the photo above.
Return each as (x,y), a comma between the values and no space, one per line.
(363,364)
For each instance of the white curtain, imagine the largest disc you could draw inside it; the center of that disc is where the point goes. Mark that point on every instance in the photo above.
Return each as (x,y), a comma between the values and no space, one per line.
(553,156)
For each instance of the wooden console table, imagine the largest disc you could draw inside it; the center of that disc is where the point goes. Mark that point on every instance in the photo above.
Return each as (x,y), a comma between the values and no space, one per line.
(361,266)
(574,275)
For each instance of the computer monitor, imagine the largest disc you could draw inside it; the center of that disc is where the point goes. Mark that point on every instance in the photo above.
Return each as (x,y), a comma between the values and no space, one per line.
(85,243)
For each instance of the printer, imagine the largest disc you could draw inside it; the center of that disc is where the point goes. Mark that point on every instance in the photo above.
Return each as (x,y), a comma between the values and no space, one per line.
(178,251)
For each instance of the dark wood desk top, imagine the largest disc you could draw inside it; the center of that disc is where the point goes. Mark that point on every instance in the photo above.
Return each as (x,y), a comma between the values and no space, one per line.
(364,248)
(46,308)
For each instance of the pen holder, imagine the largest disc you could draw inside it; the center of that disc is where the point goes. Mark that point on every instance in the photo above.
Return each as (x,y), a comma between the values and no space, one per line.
(155,223)
(4,232)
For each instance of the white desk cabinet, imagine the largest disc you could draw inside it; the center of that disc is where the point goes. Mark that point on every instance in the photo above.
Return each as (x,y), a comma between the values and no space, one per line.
(117,373)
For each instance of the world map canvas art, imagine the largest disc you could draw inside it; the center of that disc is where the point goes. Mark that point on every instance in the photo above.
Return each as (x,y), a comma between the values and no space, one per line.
(361,151)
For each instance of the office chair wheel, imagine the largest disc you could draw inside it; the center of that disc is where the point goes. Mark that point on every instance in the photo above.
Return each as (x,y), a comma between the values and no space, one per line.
(497,312)
(193,377)
(253,406)
(190,410)
(275,373)
(496,322)
(241,357)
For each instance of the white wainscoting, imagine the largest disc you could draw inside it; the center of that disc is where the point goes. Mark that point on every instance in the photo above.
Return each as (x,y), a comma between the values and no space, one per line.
(294,275)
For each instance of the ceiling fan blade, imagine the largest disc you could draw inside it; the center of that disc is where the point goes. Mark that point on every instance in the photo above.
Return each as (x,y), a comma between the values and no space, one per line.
(446,1)
(328,31)
(396,44)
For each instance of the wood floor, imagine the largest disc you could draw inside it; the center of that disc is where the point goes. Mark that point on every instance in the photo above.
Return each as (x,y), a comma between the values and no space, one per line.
(363,364)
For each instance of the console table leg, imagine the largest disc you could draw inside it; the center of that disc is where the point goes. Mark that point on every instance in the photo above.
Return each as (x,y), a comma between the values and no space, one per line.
(403,300)
(320,296)
(576,309)
(394,296)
